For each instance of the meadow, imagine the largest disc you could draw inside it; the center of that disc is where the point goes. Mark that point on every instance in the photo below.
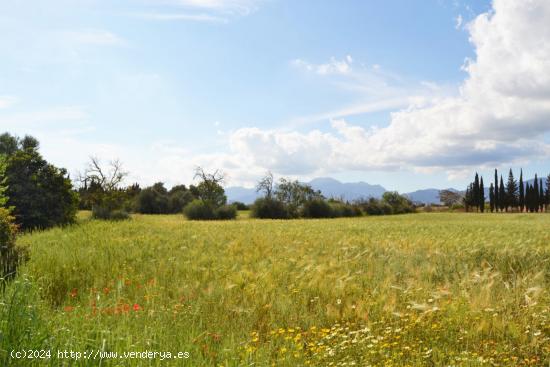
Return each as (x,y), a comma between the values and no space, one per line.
(432,289)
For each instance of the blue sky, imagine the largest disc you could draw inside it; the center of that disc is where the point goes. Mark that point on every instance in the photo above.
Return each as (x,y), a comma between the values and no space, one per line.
(404,94)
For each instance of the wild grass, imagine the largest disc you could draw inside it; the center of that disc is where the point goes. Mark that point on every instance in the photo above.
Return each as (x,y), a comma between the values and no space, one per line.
(412,290)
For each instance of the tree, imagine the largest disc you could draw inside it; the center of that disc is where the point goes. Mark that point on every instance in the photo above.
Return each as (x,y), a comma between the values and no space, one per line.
(481,198)
(40,194)
(521,192)
(475,193)
(295,194)
(210,189)
(265,185)
(400,204)
(449,197)
(536,198)
(547,193)
(492,197)
(501,195)
(541,196)
(497,192)
(511,191)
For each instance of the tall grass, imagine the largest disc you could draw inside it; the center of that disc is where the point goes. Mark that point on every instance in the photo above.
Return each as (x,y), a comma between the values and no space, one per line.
(425,289)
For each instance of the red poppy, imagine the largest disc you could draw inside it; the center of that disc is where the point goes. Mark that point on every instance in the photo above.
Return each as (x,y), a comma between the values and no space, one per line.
(136,307)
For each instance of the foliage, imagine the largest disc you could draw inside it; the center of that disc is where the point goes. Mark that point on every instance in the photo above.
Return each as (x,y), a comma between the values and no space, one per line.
(294,195)
(269,208)
(373,206)
(441,289)
(41,194)
(199,210)
(341,209)
(240,205)
(9,256)
(399,204)
(317,208)
(158,200)
(225,212)
(449,197)
(210,188)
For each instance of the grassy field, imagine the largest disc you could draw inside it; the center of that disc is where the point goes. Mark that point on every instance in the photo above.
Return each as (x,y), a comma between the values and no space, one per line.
(415,290)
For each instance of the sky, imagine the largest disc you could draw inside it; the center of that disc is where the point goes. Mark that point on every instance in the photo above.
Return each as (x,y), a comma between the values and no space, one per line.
(404,94)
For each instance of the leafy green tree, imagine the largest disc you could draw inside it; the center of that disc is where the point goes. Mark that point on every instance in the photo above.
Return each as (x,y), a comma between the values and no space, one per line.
(40,194)
(295,194)
(541,196)
(210,188)
(400,204)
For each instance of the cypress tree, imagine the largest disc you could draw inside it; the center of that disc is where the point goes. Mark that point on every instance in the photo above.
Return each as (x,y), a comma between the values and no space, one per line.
(511,191)
(481,195)
(541,196)
(475,193)
(492,197)
(547,193)
(521,192)
(535,197)
(497,192)
(501,195)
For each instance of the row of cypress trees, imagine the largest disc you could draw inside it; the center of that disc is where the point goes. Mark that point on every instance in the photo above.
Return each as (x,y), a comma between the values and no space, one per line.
(522,196)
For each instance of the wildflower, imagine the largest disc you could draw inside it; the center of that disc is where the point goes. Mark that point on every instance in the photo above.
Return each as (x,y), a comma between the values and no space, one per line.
(68,308)
(74,293)
(106,290)
(136,307)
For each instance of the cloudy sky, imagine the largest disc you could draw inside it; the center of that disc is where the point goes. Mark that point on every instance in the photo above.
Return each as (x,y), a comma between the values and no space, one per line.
(400,93)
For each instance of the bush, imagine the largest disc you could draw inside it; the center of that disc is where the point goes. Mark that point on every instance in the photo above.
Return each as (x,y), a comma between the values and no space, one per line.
(376,207)
(226,212)
(398,203)
(240,206)
(340,209)
(8,253)
(317,208)
(199,210)
(105,213)
(266,208)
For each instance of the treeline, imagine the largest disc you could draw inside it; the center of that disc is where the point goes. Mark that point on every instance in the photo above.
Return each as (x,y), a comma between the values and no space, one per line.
(291,199)
(510,196)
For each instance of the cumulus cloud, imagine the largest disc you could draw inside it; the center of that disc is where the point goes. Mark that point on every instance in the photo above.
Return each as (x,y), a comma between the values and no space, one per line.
(499,115)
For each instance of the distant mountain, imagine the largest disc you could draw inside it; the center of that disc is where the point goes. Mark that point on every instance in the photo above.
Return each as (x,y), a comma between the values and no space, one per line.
(332,188)
(426,196)
(348,191)
(241,194)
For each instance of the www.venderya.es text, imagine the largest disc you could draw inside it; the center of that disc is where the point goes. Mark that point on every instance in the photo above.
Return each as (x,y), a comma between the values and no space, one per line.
(96,354)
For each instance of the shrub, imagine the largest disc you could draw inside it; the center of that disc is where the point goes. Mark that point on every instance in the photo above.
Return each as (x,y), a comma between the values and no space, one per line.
(8,252)
(105,213)
(226,212)
(340,209)
(398,203)
(199,210)
(317,208)
(240,206)
(267,208)
(376,207)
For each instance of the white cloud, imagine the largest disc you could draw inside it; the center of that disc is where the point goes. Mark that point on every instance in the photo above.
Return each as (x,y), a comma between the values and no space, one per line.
(500,114)
(334,66)
(241,7)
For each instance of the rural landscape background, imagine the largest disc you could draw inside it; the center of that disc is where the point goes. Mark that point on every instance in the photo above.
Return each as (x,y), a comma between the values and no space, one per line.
(275,183)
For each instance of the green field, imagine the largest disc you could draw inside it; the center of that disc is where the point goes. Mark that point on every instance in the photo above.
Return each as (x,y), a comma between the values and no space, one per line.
(429,289)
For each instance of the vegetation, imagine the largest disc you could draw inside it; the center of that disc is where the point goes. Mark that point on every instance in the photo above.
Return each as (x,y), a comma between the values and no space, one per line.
(436,289)
(158,200)
(40,194)
(211,200)
(522,197)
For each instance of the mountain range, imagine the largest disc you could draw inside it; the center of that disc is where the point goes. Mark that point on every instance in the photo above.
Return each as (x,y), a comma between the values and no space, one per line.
(331,187)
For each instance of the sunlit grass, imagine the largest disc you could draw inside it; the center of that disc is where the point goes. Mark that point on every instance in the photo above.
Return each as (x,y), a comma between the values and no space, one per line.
(426,289)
